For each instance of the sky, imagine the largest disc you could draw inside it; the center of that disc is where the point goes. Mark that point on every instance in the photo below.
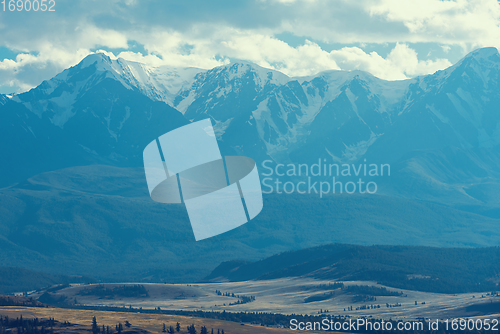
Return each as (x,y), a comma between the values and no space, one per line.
(391,39)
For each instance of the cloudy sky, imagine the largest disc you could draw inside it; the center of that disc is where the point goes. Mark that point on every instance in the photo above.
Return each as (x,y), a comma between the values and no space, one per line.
(392,39)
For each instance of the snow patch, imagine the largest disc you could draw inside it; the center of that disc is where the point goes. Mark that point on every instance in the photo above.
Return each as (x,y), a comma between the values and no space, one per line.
(127,116)
(220,127)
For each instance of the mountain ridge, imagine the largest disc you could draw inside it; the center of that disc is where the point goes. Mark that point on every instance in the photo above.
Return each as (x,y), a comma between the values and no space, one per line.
(442,270)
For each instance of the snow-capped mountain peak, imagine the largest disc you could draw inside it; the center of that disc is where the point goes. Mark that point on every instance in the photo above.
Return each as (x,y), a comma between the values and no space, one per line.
(58,95)
(161,83)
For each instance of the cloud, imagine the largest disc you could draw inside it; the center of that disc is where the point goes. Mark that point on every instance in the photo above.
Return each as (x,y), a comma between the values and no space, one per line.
(471,23)
(335,34)
(401,63)
(328,21)
(179,50)
(406,60)
(27,70)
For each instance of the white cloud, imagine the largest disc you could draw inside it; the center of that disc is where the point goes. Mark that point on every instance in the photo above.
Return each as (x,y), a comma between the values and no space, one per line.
(446,48)
(406,60)
(471,23)
(27,71)
(401,63)
(271,52)
(92,36)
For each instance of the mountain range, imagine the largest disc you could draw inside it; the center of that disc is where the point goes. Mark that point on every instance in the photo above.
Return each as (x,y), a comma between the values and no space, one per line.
(439,131)
(74,197)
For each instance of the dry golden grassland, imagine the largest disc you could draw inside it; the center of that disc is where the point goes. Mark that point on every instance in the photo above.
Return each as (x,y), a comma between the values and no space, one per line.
(284,296)
(81,321)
